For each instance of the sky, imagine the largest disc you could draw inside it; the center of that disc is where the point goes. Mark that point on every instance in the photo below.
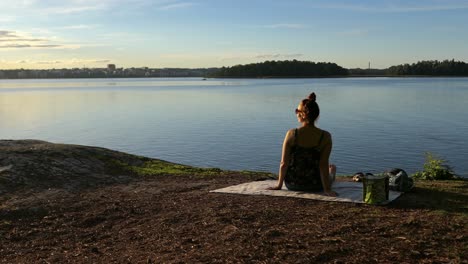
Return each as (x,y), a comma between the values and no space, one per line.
(44,34)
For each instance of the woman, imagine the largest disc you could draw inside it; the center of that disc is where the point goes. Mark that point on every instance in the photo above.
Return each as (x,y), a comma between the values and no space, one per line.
(306,151)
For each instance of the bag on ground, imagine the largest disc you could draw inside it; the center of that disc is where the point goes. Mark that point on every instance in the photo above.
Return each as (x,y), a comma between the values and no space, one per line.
(375,189)
(399,180)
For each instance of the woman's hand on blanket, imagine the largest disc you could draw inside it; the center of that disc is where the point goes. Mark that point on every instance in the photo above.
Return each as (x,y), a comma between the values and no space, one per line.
(330,193)
(275,187)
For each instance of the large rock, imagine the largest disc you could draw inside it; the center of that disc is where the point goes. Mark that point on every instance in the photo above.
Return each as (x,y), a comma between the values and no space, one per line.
(39,164)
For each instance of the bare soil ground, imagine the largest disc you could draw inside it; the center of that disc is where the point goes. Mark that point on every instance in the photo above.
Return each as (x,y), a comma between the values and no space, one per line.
(173,218)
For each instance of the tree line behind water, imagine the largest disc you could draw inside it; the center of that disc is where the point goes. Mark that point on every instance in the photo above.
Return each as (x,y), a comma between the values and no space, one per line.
(296,68)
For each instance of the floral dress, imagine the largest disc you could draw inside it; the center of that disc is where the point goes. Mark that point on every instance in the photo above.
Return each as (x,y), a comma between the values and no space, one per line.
(303,172)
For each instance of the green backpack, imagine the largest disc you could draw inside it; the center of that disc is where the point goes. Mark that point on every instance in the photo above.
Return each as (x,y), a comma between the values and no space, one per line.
(375,189)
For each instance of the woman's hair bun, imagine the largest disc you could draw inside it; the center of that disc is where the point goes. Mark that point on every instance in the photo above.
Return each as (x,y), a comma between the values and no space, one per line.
(312,97)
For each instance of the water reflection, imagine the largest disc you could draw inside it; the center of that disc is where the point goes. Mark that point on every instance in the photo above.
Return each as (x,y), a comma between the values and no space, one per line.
(240,124)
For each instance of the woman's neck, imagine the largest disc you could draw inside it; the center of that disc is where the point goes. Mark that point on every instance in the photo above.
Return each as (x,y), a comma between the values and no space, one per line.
(306,124)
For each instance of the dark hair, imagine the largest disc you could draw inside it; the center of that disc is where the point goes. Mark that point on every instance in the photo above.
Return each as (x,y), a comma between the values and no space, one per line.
(311,108)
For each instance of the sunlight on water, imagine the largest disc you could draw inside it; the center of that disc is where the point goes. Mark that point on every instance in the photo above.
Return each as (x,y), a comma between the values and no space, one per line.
(376,123)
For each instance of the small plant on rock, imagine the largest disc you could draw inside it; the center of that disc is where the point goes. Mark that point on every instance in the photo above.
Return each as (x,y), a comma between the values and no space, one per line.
(435,168)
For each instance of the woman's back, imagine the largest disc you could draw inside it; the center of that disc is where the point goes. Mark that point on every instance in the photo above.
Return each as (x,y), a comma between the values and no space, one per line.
(303,171)
(311,136)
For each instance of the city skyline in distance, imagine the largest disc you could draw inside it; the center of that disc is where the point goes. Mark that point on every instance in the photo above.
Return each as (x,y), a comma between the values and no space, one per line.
(201,34)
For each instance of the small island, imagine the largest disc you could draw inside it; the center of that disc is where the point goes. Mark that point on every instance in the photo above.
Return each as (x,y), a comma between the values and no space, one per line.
(282,69)
(308,69)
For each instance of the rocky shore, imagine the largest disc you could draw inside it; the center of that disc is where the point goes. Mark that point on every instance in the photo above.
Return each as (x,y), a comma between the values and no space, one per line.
(68,203)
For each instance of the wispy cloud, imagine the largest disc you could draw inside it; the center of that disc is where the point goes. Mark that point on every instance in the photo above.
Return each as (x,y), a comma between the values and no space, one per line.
(7,34)
(20,40)
(47,7)
(395,7)
(178,5)
(278,56)
(14,40)
(74,61)
(48,62)
(256,56)
(12,36)
(73,9)
(81,26)
(78,61)
(20,46)
(230,56)
(288,26)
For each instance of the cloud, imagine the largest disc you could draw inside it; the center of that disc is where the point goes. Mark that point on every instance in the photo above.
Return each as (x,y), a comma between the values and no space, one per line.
(176,5)
(7,34)
(13,40)
(293,55)
(289,26)
(277,56)
(73,9)
(48,62)
(81,26)
(228,56)
(256,56)
(396,8)
(19,46)
(99,61)
(74,61)
(20,39)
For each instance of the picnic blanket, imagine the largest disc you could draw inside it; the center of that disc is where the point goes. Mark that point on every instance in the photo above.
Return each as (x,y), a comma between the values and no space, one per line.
(347,191)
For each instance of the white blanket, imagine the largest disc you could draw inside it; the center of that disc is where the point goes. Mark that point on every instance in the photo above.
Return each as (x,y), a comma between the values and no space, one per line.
(350,192)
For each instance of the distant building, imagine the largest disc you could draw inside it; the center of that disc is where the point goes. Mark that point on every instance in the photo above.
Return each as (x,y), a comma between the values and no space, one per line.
(111,67)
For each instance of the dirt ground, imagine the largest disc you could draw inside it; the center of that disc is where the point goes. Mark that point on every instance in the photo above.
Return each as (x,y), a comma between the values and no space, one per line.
(172,218)
(175,219)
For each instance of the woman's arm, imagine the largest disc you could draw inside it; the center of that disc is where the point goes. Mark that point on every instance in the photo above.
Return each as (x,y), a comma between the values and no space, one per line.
(284,159)
(324,162)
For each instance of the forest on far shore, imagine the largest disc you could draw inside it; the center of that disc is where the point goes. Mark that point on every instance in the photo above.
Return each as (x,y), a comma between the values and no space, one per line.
(286,68)
(267,69)
(295,68)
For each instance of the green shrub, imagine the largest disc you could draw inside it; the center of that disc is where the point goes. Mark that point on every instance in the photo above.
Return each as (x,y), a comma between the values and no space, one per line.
(435,169)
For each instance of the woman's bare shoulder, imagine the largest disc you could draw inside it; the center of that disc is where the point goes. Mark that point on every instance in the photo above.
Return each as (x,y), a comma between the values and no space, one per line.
(291,131)
(326,135)
(290,134)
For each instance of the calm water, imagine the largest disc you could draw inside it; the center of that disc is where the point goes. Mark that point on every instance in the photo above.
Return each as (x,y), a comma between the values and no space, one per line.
(376,123)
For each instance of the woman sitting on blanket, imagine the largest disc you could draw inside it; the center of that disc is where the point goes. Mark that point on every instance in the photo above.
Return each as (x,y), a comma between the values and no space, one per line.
(306,150)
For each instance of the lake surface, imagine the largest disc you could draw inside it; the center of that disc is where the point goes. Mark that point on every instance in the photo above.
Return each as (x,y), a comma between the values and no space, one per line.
(239,124)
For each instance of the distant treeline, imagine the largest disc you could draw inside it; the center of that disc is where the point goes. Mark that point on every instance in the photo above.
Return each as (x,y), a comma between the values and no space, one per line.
(286,68)
(104,73)
(433,68)
(278,69)
(296,68)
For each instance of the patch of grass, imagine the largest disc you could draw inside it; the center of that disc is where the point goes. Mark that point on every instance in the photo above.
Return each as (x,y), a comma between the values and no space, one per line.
(151,167)
(435,168)
(258,174)
(159,167)
(440,196)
